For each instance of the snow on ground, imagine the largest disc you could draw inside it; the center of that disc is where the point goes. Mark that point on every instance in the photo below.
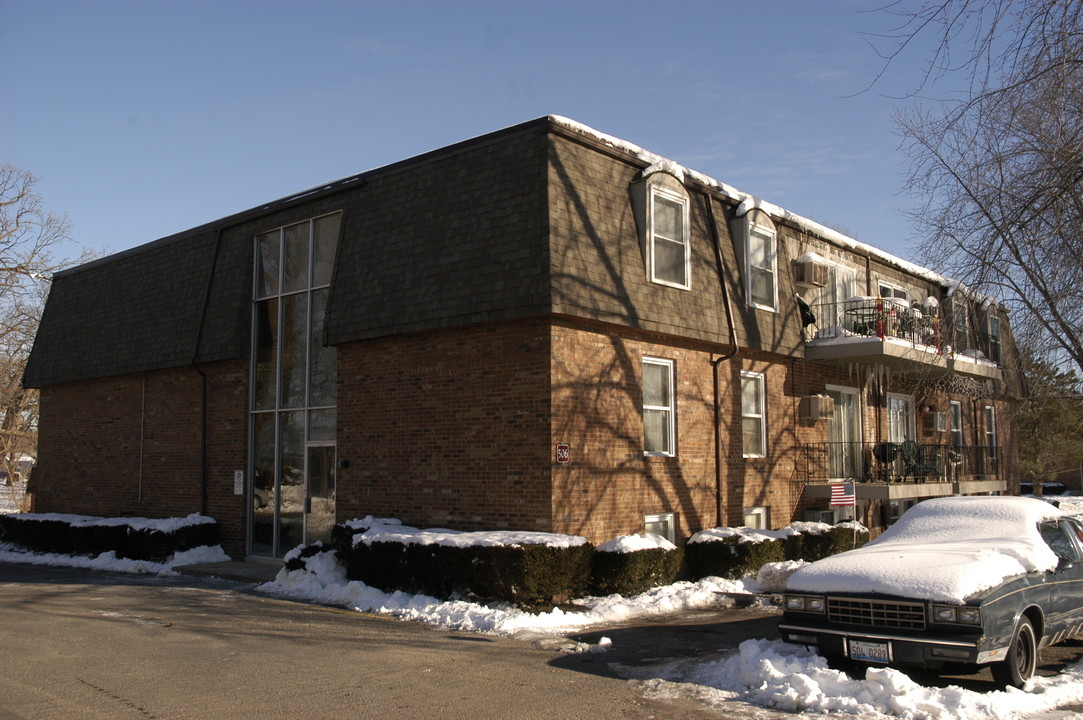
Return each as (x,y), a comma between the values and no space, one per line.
(110,562)
(761,672)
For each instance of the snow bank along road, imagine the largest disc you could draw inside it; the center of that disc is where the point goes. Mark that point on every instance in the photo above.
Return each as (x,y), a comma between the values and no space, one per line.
(88,644)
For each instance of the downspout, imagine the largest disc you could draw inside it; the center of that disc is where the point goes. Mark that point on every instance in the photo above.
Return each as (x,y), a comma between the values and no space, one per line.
(720,481)
(203,378)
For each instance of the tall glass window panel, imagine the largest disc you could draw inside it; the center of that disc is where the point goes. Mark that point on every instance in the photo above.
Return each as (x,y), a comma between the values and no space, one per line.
(323,388)
(669,246)
(265,382)
(294,350)
(321,425)
(296,257)
(267,261)
(658,414)
(323,249)
(753,429)
(264,493)
(291,481)
(761,271)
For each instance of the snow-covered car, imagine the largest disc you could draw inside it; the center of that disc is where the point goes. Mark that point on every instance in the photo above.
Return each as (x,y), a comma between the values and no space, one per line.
(962,580)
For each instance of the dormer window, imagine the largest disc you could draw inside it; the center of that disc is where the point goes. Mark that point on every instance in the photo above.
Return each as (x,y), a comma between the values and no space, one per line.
(668,249)
(662,218)
(994,335)
(762,268)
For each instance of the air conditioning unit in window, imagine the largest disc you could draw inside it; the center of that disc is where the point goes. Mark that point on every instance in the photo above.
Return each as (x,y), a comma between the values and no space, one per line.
(810,273)
(817,407)
(936,421)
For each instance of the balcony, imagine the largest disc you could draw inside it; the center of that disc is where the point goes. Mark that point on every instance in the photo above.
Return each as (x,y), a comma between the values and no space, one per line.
(888,332)
(894,471)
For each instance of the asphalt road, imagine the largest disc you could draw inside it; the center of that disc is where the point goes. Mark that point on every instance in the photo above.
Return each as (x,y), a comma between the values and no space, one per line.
(80,644)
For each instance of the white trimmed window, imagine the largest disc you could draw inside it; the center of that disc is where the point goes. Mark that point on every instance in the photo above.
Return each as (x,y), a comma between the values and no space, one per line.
(756,518)
(663,524)
(955,412)
(668,246)
(762,271)
(753,408)
(659,408)
(889,290)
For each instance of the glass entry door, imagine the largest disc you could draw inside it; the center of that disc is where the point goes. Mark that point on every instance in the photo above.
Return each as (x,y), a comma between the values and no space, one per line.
(900,418)
(844,435)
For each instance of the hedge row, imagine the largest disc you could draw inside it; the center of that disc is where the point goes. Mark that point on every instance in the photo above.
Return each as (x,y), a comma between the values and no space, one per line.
(525,575)
(132,538)
(735,557)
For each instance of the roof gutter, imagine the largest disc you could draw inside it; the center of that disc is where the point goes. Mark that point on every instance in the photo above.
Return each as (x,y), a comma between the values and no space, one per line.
(720,480)
(203,376)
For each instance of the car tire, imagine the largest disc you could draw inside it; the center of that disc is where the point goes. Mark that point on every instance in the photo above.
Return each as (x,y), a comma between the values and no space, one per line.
(1022,658)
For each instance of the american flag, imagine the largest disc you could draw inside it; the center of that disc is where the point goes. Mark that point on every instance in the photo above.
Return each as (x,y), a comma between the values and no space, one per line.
(842,494)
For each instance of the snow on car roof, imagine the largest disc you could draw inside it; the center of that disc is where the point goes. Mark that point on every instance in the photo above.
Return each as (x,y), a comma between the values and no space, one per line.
(944,550)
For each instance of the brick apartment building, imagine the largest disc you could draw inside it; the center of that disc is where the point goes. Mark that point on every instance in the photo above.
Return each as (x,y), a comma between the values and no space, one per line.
(540,328)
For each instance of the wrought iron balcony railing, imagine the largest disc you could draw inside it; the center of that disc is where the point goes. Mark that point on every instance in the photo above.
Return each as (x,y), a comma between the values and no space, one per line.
(884,318)
(907,461)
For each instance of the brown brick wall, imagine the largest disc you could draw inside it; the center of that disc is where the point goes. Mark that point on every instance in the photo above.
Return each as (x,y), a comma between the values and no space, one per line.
(610,485)
(447,428)
(107,447)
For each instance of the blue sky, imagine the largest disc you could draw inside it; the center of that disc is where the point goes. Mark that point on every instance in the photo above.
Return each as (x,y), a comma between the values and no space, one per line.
(148,117)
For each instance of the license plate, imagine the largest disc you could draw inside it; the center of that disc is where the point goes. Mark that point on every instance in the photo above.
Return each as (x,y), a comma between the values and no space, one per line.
(865,651)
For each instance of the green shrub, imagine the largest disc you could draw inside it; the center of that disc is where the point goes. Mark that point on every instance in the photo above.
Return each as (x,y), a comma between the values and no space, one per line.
(730,558)
(529,575)
(37,533)
(135,538)
(631,573)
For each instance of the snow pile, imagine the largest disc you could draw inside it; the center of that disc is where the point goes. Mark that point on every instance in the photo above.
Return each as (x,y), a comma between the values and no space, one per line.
(324,580)
(633,543)
(944,550)
(110,562)
(773,577)
(792,679)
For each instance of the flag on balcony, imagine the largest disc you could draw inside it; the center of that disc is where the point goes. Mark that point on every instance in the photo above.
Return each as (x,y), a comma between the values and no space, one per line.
(842,495)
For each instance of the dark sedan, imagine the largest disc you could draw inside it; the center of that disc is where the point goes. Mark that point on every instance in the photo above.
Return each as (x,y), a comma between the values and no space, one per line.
(966,580)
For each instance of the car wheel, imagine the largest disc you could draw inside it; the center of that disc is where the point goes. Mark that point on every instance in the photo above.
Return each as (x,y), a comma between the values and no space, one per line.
(1022,658)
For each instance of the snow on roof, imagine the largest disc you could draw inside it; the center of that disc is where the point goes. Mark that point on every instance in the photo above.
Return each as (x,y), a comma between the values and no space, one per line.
(747,202)
(943,550)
